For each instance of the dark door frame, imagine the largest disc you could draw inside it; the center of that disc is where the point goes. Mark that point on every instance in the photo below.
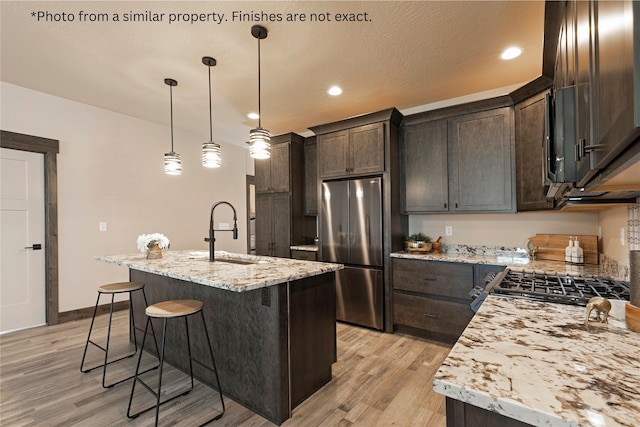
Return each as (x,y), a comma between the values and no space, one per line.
(50,149)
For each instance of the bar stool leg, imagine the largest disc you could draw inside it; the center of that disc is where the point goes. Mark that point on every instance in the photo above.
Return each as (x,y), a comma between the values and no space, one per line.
(164,335)
(106,353)
(135,376)
(132,327)
(84,355)
(186,325)
(161,353)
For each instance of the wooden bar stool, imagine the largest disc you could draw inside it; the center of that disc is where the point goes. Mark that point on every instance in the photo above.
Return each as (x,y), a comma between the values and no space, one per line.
(113,289)
(170,310)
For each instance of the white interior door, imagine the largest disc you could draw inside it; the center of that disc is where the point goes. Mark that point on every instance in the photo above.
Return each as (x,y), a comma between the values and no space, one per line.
(22,276)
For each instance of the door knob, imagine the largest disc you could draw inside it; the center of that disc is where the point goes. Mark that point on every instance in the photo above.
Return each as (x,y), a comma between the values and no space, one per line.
(35,247)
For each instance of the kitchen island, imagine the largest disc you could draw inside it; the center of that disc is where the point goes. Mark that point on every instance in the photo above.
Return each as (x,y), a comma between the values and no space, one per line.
(271,320)
(523,362)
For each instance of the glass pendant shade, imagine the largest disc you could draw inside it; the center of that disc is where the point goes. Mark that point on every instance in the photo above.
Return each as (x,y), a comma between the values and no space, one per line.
(259,138)
(172,164)
(211,152)
(259,143)
(211,155)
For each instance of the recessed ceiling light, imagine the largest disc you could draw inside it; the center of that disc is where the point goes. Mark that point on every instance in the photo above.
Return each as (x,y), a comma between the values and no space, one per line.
(334,91)
(253,116)
(511,52)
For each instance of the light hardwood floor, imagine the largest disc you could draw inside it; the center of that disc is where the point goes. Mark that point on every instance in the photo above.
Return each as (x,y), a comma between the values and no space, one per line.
(379,380)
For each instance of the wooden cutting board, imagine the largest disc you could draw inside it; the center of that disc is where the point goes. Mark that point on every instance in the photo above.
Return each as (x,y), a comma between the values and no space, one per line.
(551,246)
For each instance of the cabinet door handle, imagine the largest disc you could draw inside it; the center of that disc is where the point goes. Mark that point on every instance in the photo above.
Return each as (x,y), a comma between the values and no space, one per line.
(430,315)
(430,279)
(445,206)
(593,147)
(579,150)
(456,205)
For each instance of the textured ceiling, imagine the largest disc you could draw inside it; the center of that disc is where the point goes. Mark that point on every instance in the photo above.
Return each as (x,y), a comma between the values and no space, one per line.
(409,53)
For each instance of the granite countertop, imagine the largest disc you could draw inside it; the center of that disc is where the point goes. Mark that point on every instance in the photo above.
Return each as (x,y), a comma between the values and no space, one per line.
(541,364)
(194,266)
(305,248)
(515,263)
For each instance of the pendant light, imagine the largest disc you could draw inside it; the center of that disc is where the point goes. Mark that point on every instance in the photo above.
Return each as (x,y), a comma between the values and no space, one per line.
(211,153)
(259,145)
(172,162)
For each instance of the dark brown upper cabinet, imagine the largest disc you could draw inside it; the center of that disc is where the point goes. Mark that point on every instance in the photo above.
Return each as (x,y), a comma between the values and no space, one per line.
(530,135)
(359,150)
(596,53)
(273,174)
(423,162)
(311,176)
(481,168)
(459,159)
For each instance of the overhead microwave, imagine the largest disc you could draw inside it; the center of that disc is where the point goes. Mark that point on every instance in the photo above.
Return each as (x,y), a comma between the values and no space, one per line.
(560,144)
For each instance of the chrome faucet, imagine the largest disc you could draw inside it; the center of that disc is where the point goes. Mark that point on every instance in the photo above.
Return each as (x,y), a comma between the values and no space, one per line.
(211,239)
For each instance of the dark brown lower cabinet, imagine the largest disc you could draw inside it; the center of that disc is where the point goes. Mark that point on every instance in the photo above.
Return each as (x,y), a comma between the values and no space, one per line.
(431,298)
(460,414)
(430,314)
(305,255)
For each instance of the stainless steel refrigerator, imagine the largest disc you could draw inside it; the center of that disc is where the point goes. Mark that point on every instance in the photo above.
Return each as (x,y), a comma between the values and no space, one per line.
(351,225)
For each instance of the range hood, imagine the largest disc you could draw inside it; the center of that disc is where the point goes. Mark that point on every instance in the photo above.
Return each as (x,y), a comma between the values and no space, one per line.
(623,188)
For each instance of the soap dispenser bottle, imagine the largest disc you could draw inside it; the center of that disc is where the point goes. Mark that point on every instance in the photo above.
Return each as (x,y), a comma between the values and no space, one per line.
(567,251)
(577,252)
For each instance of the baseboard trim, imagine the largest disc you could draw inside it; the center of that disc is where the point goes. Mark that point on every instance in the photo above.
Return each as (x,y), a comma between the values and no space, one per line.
(85,313)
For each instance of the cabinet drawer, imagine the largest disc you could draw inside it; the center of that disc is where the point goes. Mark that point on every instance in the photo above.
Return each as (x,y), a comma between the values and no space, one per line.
(304,255)
(444,317)
(446,279)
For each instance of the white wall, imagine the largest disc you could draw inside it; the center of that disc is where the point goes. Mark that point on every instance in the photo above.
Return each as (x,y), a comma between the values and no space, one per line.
(110,169)
(503,229)
(611,221)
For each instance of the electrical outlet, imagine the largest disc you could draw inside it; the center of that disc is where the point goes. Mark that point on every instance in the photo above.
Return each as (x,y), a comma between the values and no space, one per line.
(622,236)
(448,230)
(102,226)
(223,226)
(266,298)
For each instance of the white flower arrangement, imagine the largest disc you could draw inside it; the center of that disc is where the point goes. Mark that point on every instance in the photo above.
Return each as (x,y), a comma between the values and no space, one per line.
(145,241)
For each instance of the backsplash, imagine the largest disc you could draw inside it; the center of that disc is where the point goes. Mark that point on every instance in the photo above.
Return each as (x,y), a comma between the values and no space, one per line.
(608,266)
(453,249)
(613,267)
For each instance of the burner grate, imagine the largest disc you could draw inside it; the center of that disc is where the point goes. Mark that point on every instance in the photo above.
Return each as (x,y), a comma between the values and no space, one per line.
(576,290)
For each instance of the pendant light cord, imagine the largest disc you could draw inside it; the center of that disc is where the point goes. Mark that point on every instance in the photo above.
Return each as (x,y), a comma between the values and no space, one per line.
(171,102)
(259,105)
(210,109)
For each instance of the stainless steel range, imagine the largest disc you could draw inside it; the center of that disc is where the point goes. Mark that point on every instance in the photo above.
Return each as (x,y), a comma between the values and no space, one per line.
(550,287)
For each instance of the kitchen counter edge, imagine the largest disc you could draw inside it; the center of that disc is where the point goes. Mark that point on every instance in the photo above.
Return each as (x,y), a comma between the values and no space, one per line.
(264,272)
(540,363)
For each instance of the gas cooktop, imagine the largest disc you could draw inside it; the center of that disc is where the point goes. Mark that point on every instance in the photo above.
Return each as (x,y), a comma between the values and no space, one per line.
(549,287)
(560,288)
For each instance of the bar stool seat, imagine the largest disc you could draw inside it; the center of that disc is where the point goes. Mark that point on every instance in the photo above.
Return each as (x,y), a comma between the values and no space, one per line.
(166,310)
(113,289)
(174,308)
(116,288)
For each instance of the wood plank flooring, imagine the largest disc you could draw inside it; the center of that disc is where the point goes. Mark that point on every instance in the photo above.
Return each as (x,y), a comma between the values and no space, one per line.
(379,380)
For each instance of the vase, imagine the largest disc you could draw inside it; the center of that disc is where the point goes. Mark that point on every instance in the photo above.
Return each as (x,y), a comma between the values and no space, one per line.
(154,252)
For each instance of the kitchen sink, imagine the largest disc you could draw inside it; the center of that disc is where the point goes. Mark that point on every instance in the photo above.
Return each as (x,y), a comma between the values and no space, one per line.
(225,257)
